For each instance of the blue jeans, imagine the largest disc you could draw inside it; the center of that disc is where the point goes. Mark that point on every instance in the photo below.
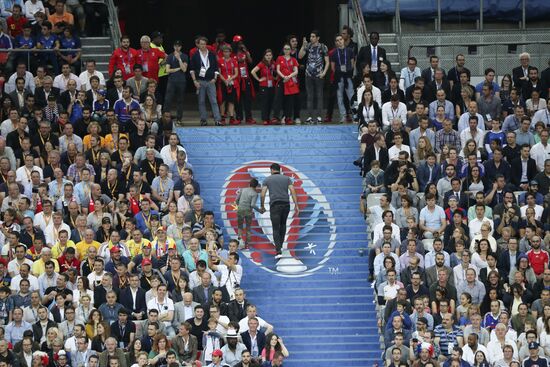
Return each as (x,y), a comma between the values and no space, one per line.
(208,89)
(344,85)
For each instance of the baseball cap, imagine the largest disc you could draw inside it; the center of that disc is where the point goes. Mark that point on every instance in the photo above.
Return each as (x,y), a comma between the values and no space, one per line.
(423,320)
(533,345)
(156,34)
(146,262)
(102,92)
(453,197)
(217,353)
(533,182)
(114,249)
(106,220)
(171,246)
(161,228)
(178,43)
(147,245)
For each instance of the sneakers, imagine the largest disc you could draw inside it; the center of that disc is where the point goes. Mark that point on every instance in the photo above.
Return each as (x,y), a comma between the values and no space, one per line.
(342,120)
(298,121)
(203,123)
(289,122)
(319,120)
(349,118)
(250,121)
(275,121)
(278,256)
(266,122)
(241,243)
(309,120)
(219,123)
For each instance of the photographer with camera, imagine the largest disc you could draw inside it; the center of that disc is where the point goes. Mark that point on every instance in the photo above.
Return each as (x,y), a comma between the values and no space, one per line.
(231,273)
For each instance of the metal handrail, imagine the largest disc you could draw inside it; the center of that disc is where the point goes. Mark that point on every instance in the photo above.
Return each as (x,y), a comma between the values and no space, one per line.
(362,36)
(113,23)
(480,44)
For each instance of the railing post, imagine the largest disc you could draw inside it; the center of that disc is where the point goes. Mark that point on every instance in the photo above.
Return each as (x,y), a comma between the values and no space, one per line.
(438,24)
(523,16)
(480,15)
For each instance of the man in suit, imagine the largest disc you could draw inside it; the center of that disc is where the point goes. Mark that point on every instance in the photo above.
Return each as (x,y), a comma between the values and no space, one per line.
(203,293)
(69,95)
(431,272)
(123,330)
(505,264)
(111,350)
(439,83)
(371,54)
(236,309)
(521,177)
(133,299)
(428,172)
(184,310)
(100,292)
(456,190)
(81,355)
(42,325)
(429,73)
(253,338)
(393,89)
(19,95)
(173,275)
(185,344)
(376,151)
(138,82)
(42,93)
(115,93)
(531,84)
(520,74)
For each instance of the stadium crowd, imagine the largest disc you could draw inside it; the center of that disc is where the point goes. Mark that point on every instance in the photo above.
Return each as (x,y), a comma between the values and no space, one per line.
(456,194)
(108,257)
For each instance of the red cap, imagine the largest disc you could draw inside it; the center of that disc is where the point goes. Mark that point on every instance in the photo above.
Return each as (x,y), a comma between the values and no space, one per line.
(237,38)
(114,249)
(197,363)
(217,353)
(146,262)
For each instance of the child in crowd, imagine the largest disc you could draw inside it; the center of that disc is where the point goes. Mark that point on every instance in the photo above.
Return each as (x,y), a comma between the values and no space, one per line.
(374,180)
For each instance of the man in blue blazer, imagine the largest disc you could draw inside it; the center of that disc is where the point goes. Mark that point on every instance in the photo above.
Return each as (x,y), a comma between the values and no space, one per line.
(428,172)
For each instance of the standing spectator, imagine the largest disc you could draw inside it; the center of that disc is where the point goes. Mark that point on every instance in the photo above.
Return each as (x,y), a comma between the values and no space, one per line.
(16,21)
(266,81)
(243,59)
(123,58)
(204,71)
(288,88)
(317,65)
(343,63)
(70,41)
(371,54)
(176,67)
(60,14)
(149,58)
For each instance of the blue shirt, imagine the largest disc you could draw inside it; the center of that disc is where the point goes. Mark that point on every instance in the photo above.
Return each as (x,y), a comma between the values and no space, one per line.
(123,111)
(101,106)
(48,43)
(21,42)
(68,43)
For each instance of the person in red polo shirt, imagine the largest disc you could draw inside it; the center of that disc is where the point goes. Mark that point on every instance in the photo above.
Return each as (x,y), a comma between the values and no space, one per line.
(219,44)
(287,69)
(16,21)
(149,58)
(266,81)
(123,59)
(228,85)
(538,258)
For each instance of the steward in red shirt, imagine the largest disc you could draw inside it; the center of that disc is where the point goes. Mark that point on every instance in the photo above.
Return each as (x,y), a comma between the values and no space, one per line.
(123,59)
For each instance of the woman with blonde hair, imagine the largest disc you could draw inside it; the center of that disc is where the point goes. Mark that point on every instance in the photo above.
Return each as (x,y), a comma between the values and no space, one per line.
(93,130)
(423,148)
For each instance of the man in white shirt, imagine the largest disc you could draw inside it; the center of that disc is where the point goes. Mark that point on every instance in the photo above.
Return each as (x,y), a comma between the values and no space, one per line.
(409,73)
(62,79)
(24,273)
(475,224)
(542,115)
(52,230)
(20,259)
(473,132)
(252,312)
(165,307)
(540,152)
(88,73)
(367,83)
(463,122)
(471,348)
(21,71)
(231,273)
(394,109)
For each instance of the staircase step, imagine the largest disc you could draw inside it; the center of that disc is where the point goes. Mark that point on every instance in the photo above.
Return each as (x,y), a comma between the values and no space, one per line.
(327,318)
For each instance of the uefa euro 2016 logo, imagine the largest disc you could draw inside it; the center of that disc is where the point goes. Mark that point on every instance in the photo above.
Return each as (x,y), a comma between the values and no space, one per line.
(310,237)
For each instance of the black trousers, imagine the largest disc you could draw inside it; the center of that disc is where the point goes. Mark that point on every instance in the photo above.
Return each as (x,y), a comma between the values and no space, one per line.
(266,95)
(244,107)
(278,213)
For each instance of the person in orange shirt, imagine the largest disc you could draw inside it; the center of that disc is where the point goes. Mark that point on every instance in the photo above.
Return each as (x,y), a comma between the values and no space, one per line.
(60,14)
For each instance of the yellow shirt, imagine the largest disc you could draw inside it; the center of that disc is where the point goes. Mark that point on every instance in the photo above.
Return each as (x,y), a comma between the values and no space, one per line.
(58,251)
(110,143)
(87,145)
(162,67)
(82,248)
(38,268)
(135,249)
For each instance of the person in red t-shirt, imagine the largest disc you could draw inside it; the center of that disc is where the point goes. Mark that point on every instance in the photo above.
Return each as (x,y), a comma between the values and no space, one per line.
(123,59)
(244,106)
(149,58)
(16,21)
(538,258)
(220,43)
(288,87)
(266,81)
(228,85)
